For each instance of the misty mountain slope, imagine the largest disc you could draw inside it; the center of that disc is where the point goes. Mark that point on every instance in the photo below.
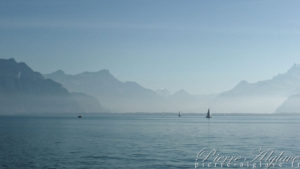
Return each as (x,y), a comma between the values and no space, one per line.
(186,102)
(87,103)
(19,78)
(102,82)
(290,105)
(128,96)
(24,91)
(261,97)
(280,85)
(112,93)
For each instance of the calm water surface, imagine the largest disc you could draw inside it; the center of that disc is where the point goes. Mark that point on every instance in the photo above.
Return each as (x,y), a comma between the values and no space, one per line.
(137,141)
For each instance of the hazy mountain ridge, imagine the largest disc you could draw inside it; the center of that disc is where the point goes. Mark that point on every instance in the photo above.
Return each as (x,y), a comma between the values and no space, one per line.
(18,77)
(116,95)
(280,85)
(290,105)
(121,96)
(260,97)
(98,82)
(24,91)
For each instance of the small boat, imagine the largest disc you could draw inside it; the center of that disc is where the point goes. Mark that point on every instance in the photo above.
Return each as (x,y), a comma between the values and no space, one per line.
(179,115)
(208,114)
(79,116)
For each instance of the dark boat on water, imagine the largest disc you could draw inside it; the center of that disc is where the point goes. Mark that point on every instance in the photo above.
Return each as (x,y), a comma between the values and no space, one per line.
(79,116)
(179,115)
(208,114)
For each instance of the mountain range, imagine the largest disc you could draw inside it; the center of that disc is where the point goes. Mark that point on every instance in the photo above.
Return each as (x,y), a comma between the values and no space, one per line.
(290,105)
(115,95)
(118,96)
(260,97)
(23,90)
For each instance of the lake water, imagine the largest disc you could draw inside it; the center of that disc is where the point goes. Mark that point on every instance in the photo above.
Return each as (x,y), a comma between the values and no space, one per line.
(137,141)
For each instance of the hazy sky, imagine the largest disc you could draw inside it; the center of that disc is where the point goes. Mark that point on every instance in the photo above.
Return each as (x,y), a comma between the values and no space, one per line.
(202,46)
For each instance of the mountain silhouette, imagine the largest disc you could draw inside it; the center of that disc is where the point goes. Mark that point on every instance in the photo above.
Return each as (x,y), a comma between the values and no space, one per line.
(112,93)
(26,91)
(290,105)
(120,96)
(260,97)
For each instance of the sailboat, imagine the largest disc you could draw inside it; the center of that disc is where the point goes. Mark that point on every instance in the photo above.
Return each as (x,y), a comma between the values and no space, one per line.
(179,115)
(208,114)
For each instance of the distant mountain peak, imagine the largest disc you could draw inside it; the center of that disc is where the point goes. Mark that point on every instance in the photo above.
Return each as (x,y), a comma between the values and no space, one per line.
(295,65)
(163,92)
(113,93)
(181,92)
(132,83)
(59,72)
(11,60)
(23,90)
(242,83)
(10,67)
(294,69)
(104,71)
